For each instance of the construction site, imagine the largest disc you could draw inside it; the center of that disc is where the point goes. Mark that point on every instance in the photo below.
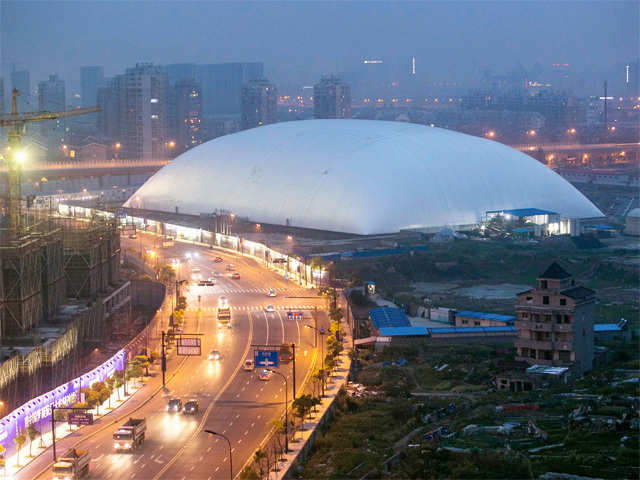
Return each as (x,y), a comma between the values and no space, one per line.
(60,284)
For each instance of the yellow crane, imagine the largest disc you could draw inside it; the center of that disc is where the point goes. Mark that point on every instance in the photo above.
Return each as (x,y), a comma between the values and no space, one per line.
(16,123)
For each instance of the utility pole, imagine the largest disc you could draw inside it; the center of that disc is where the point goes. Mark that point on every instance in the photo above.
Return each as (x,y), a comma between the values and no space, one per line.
(293,348)
(163,361)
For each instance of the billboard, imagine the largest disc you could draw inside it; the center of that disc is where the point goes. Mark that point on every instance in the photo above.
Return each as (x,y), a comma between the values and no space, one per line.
(80,418)
(189,346)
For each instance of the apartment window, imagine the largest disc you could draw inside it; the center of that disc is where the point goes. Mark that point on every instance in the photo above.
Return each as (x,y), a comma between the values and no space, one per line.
(563,301)
(545,300)
(476,323)
(465,322)
(543,284)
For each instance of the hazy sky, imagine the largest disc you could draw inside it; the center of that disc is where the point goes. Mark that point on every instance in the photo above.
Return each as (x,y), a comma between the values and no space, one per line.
(300,40)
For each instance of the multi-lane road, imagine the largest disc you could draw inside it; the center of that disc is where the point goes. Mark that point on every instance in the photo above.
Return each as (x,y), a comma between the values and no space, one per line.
(232,401)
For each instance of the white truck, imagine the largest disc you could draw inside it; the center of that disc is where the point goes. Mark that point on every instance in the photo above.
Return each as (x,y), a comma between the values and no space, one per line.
(130,435)
(73,465)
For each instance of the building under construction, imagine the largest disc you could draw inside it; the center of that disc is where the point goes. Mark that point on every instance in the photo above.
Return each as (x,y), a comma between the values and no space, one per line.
(57,274)
(58,279)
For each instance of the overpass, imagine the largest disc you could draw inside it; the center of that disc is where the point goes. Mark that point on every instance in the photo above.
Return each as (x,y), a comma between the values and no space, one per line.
(55,170)
(578,147)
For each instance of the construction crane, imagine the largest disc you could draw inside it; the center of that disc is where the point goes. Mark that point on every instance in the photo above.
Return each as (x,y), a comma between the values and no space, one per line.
(15,155)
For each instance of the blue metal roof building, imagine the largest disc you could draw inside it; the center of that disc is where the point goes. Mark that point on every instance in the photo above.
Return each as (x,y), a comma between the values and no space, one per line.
(472,330)
(493,317)
(404,331)
(388,317)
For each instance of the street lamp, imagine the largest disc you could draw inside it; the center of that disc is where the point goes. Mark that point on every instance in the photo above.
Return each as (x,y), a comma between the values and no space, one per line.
(322,332)
(211,432)
(286,415)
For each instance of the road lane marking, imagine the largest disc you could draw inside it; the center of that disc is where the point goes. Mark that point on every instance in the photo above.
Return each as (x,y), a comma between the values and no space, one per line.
(211,405)
(282,325)
(267,321)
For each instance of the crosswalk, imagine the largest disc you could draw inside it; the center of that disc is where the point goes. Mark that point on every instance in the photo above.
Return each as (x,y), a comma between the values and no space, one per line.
(293,292)
(254,308)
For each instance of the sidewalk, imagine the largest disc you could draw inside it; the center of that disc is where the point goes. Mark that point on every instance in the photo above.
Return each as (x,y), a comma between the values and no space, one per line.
(300,443)
(139,395)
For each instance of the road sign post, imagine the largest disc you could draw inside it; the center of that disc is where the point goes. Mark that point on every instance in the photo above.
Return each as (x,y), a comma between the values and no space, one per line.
(189,346)
(80,418)
(266,358)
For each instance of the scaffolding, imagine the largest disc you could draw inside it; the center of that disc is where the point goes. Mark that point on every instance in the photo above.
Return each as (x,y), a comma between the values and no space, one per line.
(22,277)
(91,255)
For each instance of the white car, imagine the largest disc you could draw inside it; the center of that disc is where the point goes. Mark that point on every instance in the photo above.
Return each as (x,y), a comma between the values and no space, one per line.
(271,293)
(265,375)
(248,365)
(269,308)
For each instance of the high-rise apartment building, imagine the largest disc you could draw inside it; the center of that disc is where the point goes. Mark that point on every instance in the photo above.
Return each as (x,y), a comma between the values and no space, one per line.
(52,98)
(180,71)
(221,86)
(20,80)
(108,119)
(259,103)
(134,112)
(555,322)
(91,79)
(331,98)
(188,128)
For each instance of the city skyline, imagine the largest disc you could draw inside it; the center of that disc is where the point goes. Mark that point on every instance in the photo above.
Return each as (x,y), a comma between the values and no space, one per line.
(298,43)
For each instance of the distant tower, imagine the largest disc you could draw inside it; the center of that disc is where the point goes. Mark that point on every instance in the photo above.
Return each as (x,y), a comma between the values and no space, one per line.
(259,103)
(413,65)
(331,98)
(91,80)
(20,80)
(52,98)
(187,129)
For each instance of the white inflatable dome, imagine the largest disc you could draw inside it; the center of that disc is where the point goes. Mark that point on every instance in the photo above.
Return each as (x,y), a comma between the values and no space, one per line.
(357,176)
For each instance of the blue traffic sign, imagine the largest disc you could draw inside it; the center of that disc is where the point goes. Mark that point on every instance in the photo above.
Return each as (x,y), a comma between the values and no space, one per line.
(265,358)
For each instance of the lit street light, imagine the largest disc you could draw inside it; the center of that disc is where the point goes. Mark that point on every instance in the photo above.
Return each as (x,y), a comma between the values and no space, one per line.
(211,432)
(286,415)
(322,332)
